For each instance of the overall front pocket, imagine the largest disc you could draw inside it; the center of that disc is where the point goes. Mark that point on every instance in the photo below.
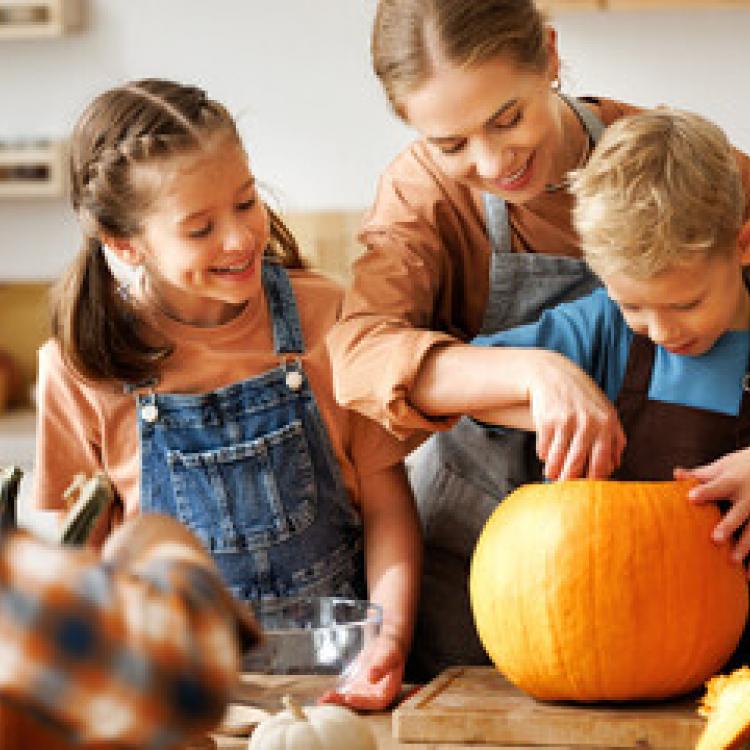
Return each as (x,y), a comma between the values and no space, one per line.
(246,496)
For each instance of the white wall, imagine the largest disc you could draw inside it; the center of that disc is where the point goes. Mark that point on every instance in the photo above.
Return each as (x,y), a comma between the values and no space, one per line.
(296,74)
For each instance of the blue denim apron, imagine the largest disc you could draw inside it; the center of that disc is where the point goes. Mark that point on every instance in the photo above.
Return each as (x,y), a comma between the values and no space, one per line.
(461,475)
(249,468)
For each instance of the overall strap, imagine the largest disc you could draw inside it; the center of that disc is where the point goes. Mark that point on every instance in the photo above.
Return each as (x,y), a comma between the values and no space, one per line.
(282,305)
(743,416)
(498,225)
(637,378)
(592,123)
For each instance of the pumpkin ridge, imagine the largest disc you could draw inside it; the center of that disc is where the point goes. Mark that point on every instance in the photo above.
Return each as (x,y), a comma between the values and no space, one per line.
(561,667)
(698,646)
(593,587)
(657,676)
(538,675)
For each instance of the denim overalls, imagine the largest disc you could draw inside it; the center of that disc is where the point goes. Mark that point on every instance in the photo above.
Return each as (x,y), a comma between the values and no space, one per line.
(459,476)
(249,468)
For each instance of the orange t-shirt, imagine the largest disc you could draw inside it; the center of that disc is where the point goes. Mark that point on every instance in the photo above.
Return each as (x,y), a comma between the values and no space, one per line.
(85,426)
(424,279)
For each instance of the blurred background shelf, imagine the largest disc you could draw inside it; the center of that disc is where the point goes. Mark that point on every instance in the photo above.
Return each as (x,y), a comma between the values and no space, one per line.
(32,170)
(29,19)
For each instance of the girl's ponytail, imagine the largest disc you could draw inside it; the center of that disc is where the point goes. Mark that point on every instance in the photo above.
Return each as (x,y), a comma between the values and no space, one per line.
(95,326)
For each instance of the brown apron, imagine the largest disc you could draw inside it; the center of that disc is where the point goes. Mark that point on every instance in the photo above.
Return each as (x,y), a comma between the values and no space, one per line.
(663,435)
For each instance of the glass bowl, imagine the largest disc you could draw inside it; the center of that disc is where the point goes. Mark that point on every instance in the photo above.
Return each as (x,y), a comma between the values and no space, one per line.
(312,635)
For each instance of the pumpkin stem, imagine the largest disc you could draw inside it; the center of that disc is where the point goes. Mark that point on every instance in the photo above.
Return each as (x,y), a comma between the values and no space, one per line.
(291,705)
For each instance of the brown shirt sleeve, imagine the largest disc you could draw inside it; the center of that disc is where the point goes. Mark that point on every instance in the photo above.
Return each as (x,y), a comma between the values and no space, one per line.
(421,283)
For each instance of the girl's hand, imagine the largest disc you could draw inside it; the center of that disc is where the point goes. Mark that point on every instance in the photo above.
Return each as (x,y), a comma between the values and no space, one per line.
(373,681)
(727,478)
(578,430)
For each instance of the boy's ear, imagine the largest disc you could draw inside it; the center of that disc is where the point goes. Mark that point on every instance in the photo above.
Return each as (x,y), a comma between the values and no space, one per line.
(124,249)
(743,243)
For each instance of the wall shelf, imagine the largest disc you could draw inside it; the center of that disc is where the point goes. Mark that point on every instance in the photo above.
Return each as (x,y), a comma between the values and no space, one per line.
(29,19)
(33,170)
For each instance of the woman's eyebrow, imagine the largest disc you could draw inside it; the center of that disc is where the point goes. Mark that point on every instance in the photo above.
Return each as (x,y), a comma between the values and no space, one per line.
(438,139)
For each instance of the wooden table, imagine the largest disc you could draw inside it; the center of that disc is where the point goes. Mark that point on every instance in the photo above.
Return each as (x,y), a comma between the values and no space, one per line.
(266,692)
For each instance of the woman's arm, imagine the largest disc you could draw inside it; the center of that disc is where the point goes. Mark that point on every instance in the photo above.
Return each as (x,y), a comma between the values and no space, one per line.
(393,558)
(578,431)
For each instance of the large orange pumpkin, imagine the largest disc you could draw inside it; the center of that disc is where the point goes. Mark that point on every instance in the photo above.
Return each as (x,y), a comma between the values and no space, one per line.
(594,590)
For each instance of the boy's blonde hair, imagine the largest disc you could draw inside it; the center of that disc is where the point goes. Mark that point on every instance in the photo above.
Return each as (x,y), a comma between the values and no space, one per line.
(661,188)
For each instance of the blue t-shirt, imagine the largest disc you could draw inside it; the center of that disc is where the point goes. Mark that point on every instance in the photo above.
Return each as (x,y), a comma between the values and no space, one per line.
(592,332)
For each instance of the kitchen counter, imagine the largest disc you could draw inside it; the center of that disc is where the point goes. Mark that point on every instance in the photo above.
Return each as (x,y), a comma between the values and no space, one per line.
(658,725)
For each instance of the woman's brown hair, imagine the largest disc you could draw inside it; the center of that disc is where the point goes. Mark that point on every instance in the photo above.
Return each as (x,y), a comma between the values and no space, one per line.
(133,124)
(410,37)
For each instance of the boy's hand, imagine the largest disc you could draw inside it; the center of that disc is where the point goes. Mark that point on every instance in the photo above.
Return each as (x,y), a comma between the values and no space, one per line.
(374,680)
(727,478)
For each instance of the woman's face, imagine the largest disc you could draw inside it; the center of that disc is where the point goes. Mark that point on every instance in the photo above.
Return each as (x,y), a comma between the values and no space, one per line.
(494,126)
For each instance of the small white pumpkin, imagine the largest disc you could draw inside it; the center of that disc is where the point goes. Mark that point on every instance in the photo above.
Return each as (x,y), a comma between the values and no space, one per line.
(312,728)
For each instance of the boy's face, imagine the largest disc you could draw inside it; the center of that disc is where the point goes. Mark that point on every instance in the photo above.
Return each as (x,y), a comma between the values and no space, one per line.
(685,308)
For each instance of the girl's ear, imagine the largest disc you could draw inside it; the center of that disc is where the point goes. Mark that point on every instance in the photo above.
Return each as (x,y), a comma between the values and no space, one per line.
(743,243)
(125,250)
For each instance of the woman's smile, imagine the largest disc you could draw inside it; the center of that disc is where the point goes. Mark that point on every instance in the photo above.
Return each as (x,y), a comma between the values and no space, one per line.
(518,179)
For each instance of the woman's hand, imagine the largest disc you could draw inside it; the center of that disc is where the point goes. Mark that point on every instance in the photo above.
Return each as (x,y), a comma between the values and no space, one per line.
(727,478)
(373,681)
(578,430)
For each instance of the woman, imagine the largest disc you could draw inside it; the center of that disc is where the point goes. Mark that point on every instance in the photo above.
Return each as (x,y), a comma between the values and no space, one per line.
(471,232)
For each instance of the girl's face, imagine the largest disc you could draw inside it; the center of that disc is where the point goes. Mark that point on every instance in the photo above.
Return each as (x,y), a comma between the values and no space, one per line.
(204,238)
(494,126)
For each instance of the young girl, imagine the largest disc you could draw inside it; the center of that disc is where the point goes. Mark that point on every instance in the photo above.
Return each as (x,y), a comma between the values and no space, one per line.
(203,386)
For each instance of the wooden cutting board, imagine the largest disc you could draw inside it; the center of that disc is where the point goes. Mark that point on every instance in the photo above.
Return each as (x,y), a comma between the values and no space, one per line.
(477,705)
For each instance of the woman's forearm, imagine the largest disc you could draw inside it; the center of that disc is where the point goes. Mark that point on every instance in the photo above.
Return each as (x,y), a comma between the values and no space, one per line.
(465,379)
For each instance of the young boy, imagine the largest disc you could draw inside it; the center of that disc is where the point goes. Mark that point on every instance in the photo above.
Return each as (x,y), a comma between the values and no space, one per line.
(659,209)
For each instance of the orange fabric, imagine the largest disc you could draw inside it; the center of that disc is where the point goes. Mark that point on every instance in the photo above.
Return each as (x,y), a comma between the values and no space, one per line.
(424,279)
(84,426)
(19,730)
